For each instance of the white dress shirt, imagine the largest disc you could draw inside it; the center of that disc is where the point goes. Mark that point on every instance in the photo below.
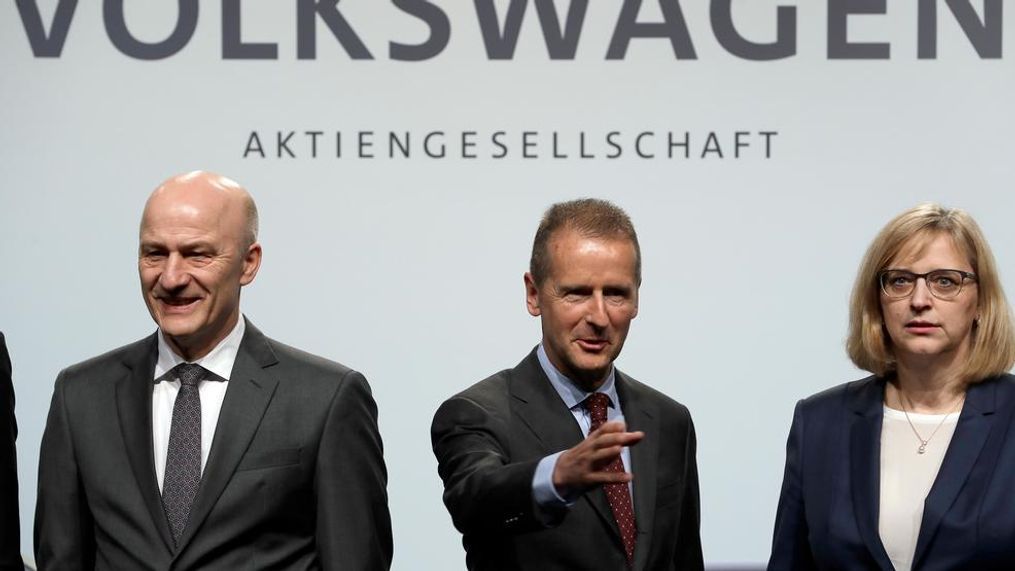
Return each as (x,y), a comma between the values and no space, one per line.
(219,361)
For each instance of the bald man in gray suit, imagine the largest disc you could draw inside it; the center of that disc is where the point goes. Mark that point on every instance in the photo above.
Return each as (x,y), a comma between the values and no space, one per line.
(208,445)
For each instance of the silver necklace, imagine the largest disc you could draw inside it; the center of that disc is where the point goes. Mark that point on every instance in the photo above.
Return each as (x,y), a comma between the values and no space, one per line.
(922,449)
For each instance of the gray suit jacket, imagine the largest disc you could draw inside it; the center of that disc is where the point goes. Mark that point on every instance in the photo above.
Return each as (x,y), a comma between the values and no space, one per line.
(295,478)
(488,440)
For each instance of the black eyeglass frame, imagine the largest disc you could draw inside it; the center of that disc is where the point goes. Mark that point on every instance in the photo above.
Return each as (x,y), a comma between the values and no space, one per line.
(966,276)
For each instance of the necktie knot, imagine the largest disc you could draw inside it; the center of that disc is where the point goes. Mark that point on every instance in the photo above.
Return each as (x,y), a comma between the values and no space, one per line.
(596,404)
(189,374)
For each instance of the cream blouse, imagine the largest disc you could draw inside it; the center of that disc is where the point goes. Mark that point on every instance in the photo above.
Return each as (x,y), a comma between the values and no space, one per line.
(907,476)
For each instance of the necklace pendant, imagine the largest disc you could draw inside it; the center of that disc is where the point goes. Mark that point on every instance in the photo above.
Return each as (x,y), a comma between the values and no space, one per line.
(922,449)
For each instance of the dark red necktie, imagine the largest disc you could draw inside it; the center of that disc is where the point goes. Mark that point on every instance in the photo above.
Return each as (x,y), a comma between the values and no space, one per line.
(618,495)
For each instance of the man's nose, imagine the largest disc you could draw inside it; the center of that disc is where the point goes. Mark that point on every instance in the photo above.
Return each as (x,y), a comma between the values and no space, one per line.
(174,275)
(596,314)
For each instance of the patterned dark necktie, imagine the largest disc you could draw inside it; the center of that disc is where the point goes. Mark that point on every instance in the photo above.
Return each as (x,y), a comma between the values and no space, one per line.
(183,461)
(618,495)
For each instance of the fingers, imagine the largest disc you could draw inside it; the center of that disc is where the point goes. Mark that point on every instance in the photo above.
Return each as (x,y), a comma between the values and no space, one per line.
(597,440)
(599,478)
(605,455)
(617,427)
(586,464)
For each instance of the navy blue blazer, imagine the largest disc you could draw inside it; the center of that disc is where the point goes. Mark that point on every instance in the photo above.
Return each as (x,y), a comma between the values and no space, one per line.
(828,510)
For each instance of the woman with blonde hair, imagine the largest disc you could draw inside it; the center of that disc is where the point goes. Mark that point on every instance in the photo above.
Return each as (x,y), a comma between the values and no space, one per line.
(912,468)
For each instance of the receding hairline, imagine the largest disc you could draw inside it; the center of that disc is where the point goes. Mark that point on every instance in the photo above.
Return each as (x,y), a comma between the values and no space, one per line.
(569,227)
(586,217)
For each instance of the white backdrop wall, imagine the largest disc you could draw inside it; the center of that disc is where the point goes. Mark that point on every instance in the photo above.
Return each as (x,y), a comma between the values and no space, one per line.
(410,269)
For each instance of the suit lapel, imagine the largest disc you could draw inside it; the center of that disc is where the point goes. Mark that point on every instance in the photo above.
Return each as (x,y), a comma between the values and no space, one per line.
(250,390)
(970,435)
(865,401)
(134,406)
(639,414)
(540,408)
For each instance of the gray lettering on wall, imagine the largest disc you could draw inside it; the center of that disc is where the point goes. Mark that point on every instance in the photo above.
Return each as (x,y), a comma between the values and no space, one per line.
(553,145)
(500,43)
(673,27)
(430,152)
(985,36)
(768,141)
(116,29)
(307,12)
(44,45)
(395,142)
(440,31)
(313,141)
(839,46)
(282,144)
(500,23)
(611,140)
(729,38)
(253,145)
(232,42)
(366,144)
(711,146)
(561,43)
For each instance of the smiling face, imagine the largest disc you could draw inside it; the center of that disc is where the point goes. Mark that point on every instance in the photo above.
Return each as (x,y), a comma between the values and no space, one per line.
(586,303)
(194,258)
(921,326)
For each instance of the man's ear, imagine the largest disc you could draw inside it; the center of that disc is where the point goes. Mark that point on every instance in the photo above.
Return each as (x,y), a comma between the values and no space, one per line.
(531,295)
(251,263)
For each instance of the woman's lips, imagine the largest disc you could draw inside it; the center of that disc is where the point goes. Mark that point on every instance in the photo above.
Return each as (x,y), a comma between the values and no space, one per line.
(921,327)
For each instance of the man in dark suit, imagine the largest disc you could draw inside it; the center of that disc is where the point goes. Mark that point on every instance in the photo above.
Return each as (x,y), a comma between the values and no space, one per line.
(563,462)
(208,445)
(10,525)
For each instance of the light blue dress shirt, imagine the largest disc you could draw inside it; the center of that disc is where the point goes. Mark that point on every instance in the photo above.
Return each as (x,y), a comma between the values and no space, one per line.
(543,490)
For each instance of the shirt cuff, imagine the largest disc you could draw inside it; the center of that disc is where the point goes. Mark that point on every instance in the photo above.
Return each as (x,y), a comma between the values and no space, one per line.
(543,491)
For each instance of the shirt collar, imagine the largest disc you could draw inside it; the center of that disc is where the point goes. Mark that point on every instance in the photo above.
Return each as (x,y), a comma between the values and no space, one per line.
(219,361)
(571,393)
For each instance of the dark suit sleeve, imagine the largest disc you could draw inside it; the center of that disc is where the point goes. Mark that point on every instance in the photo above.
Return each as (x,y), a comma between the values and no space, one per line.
(483,490)
(790,546)
(64,535)
(688,549)
(10,524)
(353,523)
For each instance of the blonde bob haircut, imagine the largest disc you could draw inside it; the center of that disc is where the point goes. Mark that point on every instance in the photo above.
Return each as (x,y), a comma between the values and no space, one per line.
(993,335)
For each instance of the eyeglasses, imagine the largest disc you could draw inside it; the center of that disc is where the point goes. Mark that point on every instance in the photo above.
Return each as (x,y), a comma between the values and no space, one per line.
(943,284)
